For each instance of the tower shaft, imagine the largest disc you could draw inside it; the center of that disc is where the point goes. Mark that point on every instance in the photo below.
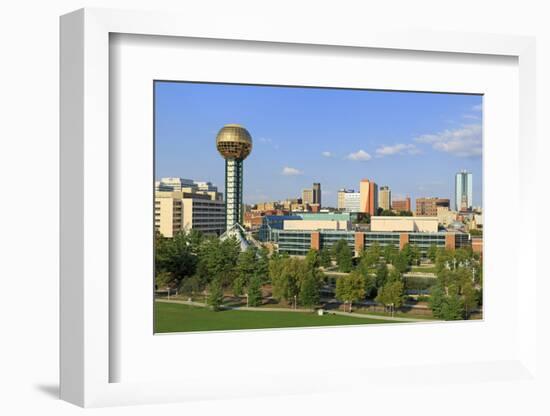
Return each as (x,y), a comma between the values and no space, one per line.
(233,191)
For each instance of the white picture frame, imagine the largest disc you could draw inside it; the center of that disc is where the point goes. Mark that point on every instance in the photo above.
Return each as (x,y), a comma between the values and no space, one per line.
(87,330)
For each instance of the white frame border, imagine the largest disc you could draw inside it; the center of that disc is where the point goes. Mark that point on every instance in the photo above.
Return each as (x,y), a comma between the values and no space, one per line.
(84,219)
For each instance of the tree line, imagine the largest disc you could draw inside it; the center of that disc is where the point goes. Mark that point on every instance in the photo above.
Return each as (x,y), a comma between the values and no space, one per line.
(196,265)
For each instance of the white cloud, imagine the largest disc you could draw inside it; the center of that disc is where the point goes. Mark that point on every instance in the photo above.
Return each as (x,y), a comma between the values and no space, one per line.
(465,141)
(396,149)
(477,107)
(268,141)
(327,154)
(288,171)
(360,155)
(470,116)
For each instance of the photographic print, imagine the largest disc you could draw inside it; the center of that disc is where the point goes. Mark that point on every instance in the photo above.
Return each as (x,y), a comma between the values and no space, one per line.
(288,206)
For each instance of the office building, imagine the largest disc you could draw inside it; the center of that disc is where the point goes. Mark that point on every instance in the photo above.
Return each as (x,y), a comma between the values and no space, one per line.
(267,206)
(177,211)
(368,196)
(403,205)
(412,224)
(384,198)
(352,202)
(317,194)
(428,206)
(234,143)
(299,242)
(188,186)
(341,198)
(311,225)
(312,196)
(445,216)
(463,191)
(307,196)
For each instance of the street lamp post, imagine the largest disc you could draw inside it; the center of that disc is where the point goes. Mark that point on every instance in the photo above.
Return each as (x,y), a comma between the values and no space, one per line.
(247,300)
(168,290)
(295,303)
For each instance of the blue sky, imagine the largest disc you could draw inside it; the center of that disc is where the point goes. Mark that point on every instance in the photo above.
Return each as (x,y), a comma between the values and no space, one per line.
(413,142)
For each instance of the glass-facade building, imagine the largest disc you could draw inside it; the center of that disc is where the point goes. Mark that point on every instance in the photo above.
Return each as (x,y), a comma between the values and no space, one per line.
(295,242)
(463,191)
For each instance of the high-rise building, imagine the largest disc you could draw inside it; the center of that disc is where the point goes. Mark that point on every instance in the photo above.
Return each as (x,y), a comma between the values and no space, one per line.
(463,191)
(384,198)
(369,196)
(307,196)
(341,198)
(234,144)
(312,196)
(352,202)
(317,193)
(401,205)
(428,206)
(183,211)
(188,186)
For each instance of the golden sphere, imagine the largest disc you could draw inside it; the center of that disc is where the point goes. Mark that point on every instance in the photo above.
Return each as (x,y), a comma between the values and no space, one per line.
(234,142)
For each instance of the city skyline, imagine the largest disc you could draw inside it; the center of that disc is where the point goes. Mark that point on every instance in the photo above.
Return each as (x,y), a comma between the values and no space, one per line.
(363,134)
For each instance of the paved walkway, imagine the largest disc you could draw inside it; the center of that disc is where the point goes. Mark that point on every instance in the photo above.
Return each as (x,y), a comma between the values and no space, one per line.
(266,309)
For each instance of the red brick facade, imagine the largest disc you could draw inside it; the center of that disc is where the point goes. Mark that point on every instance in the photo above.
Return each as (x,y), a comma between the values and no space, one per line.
(359,242)
(315,240)
(450,241)
(403,239)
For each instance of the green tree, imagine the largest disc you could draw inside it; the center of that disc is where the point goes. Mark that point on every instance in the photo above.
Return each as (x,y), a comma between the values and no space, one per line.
(312,258)
(394,276)
(337,248)
(470,298)
(215,295)
(309,290)
(368,261)
(381,274)
(238,286)
(370,284)
(175,256)
(164,280)
(191,286)
(437,299)
(400,262)
(247,264)
(350,288)
(391,294)
(447,306)
(285,282)
(415,255)
(324,258)
(453,308)
(255,291)
(218,259)
(344,259)
(262,265)
(389,252)
(432,253)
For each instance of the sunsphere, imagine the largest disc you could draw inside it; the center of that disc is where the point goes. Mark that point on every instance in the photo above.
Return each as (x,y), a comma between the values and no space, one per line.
(234,144)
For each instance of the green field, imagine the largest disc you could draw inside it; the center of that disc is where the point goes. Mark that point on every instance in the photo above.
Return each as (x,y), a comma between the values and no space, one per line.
(173,317)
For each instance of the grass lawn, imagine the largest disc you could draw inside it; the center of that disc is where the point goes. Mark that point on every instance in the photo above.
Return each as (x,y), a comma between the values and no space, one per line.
(397,314)
(173,317)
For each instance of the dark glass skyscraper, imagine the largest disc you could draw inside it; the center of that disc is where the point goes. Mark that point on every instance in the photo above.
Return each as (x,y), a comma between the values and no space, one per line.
(463,191)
